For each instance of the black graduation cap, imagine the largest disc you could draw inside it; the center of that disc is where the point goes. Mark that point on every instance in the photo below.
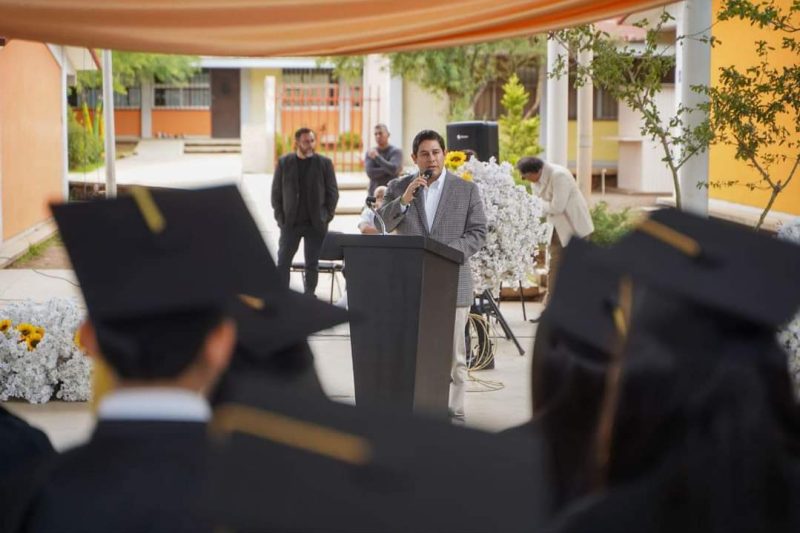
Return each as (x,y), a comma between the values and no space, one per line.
(585,297)
(323,466)
(271,323)
(164,251)
(714,263)
(158,268)
(272,332)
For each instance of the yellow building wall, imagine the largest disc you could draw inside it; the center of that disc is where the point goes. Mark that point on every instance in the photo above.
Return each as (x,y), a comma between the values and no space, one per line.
(31,142)
(738,47)
(605,146)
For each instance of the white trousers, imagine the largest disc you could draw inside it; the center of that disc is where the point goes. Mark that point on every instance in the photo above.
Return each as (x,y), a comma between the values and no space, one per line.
(458,371)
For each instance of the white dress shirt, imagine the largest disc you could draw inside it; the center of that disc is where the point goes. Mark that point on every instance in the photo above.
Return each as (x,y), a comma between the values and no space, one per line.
(154,403)
(433,194)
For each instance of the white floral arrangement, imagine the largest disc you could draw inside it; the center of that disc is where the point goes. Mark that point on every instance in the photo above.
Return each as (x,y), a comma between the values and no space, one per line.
(789,336)
(514,223)
(39,354)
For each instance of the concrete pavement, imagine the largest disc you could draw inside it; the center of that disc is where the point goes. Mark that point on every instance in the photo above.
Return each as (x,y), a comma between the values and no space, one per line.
(162,163)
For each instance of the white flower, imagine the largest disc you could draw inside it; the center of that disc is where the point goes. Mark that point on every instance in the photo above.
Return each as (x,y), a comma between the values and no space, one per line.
(789,336)
(56,367)
(514,227)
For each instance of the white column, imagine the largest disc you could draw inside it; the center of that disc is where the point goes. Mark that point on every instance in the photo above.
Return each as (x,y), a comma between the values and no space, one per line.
(557,93)
(270,120)
(585,118)
(394,118)
(693,67)
(108,116)
(146,111)
(65,108)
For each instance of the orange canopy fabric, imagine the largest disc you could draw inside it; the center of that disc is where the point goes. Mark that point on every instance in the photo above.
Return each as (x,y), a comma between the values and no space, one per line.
(293,27)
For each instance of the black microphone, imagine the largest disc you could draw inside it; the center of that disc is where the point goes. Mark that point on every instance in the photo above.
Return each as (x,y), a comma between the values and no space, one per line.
(371,201)
(428,173)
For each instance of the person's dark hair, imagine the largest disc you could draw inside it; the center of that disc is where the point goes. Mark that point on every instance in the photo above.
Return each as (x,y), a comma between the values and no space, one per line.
(382,126)
(716,401)
(427,135)
(302,131)
(157,346)
(568,381)
(529,164)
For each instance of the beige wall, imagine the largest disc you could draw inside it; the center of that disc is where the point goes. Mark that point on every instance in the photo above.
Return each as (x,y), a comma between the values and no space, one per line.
(256,145)
(421,110)
(31,143)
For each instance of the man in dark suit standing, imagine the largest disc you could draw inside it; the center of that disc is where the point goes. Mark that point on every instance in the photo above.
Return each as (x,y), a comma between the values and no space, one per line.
(304,197)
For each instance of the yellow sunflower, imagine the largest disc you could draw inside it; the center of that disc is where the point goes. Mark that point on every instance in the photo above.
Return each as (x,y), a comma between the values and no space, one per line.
(5,325)
(454,159)
(38,330)
(26,329)
(33,340)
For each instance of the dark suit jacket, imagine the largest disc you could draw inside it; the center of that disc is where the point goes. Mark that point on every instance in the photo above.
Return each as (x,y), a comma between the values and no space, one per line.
(20,443)
(286,191)
(132,476)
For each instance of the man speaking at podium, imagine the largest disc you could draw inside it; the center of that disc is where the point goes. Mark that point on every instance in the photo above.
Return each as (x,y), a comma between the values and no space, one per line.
(439,205)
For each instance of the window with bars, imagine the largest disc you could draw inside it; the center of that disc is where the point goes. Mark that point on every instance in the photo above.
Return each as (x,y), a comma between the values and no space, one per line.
(309,88)
(195,94)
(131,99)
(605,106)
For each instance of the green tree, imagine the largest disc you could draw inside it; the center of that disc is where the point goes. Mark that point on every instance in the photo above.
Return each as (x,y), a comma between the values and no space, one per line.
(634,77)
(132,68)
(757,109)
(460,73)
(518,135)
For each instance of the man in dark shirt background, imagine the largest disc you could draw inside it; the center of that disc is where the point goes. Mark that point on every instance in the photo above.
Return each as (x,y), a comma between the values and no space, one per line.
(304,198)
(384,162)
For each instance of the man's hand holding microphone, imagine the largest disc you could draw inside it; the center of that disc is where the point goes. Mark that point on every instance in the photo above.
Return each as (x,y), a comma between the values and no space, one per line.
(413,188)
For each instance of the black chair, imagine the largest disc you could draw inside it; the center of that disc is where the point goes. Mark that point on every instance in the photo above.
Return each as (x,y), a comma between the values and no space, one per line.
(331,261)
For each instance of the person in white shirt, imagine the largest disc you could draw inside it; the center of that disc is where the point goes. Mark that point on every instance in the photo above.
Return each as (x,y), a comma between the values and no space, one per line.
(366,224)
(565,207)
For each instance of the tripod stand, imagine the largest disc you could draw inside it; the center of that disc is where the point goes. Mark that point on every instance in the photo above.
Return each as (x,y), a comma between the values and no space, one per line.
(487,306)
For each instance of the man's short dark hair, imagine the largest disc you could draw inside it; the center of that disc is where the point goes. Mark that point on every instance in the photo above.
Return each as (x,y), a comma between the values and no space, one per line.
(529,164)
(427,135)
(302,131)
(382,126)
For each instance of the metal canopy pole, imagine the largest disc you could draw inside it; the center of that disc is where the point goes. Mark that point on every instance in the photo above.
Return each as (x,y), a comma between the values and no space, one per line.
(108,119)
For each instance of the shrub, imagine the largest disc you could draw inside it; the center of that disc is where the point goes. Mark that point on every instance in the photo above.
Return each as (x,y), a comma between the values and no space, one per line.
(349,140)
(518,135)
(84,148)
(283,144)
(609,225)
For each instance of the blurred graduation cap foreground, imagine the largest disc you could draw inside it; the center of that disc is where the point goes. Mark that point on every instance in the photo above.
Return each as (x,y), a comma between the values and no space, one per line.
(287,462)
(158,269)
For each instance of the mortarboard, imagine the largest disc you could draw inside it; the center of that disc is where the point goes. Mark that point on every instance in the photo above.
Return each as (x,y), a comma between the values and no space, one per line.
(714,263)
(157,270)
(165,251)
(585,296)
(324,466)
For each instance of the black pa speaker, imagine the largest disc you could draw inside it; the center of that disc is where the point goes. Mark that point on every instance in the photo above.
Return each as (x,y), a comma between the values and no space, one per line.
(479,136)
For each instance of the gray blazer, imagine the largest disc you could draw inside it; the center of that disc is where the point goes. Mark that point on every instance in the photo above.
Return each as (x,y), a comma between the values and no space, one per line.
(459,222)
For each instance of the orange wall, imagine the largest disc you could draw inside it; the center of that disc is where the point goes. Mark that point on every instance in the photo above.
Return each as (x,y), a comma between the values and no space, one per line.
(31,142)
(126,121)
(182,122)
(738,48)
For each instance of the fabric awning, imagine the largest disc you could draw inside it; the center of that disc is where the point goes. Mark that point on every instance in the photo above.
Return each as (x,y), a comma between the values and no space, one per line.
(293,27)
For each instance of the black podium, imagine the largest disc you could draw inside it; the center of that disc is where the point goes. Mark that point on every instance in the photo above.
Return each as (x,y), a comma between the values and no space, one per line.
(402,293)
